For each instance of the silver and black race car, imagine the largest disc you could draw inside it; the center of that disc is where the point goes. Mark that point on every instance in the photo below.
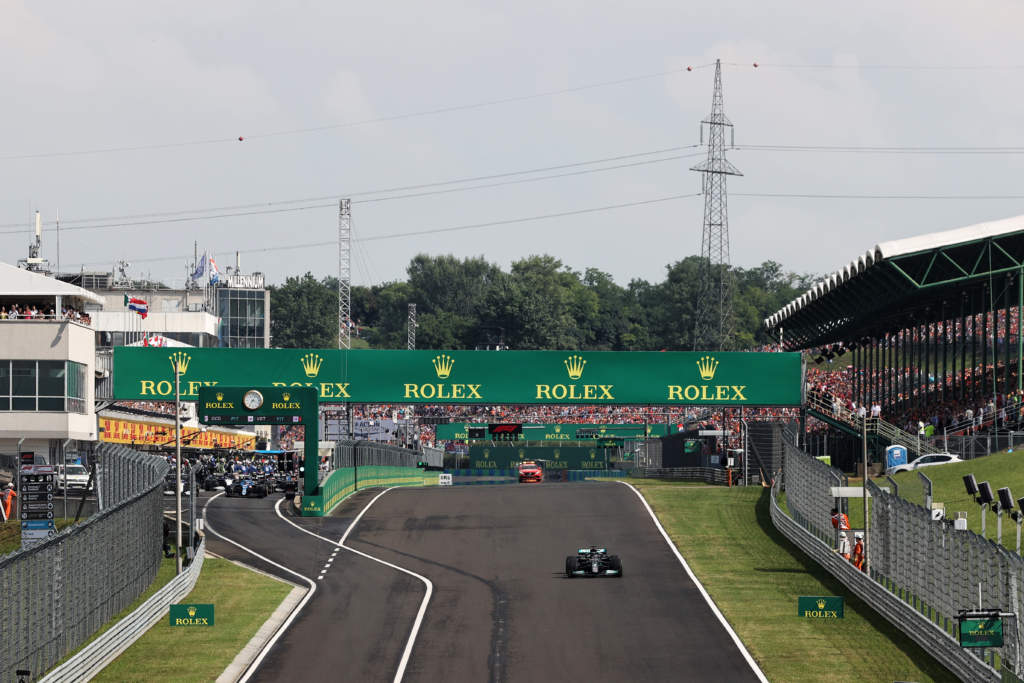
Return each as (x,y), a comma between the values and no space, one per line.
(592,561)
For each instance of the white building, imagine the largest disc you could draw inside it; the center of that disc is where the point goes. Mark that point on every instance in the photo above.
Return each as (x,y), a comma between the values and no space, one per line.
(47,366)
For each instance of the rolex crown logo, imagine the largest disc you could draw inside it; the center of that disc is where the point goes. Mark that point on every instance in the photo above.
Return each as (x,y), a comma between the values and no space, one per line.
(286,396)
(220,395)
(821,604)
(443,365)
(707,366)
(191,610)
(179,361)
(574,364)
(311,363)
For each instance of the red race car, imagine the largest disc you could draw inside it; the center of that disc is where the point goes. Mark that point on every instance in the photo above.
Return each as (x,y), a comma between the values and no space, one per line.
(530,471)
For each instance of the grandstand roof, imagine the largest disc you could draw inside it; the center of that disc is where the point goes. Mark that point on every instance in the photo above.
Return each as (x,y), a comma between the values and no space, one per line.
(16,281)
(904,280)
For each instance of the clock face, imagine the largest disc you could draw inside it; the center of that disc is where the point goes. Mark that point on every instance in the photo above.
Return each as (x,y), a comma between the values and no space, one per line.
(253,399)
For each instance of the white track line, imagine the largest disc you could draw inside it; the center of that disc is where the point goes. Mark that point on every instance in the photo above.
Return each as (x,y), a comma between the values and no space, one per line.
(407,653)
(251,669)
(707,598)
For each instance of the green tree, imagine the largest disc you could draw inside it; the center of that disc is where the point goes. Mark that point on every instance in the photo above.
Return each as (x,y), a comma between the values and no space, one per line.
(304,313)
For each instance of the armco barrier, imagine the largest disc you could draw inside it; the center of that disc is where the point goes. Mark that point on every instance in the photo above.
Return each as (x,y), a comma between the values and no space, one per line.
(919,628)
(91,659)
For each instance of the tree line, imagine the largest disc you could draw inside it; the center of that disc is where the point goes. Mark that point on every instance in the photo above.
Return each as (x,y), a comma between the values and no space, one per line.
(539,303)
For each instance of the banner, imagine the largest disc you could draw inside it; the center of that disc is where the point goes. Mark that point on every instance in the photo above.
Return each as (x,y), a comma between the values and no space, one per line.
(551,458)
(472,377)
(113,430)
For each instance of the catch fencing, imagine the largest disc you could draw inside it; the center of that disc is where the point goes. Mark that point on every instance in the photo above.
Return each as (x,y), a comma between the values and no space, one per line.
(54,596)
(711,475)
(363,453)
(922,572)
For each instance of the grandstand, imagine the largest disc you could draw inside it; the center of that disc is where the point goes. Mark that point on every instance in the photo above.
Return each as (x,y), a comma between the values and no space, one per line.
(926,328)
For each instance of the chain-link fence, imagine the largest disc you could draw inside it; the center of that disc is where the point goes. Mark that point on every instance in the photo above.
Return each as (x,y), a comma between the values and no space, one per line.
(56,595)
(941,570)
(360,453)
(808,489)
(931,570)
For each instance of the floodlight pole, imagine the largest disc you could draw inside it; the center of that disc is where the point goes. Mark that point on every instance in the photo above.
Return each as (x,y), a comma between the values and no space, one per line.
(864,457)
(999,525)
(177,464)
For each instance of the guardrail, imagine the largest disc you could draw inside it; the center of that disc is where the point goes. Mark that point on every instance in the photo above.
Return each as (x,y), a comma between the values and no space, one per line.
(711,475)
(917,626)
(91,659)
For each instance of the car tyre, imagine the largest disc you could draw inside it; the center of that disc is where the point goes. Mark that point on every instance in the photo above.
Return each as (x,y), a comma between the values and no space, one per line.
(572,563)
(615,563)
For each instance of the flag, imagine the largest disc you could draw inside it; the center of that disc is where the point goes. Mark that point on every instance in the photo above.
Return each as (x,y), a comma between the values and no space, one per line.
(200,270)
(214,273)
(137,305)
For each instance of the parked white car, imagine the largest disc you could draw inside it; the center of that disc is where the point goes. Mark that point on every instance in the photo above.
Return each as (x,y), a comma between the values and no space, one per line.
(925,461)
(76,477)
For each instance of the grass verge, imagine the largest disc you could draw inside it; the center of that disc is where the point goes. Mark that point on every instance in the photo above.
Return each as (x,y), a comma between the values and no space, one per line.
(243,600)
(999,469)
(755,574)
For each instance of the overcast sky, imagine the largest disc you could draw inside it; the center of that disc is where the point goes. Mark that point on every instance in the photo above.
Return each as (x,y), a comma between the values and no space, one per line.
(180,82)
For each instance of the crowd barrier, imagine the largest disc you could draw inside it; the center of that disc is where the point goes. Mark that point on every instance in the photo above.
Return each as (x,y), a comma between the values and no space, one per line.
(55,595)
(922,572)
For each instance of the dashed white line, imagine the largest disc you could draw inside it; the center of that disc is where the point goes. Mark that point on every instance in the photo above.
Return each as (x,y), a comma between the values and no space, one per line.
(407,653)
(291,617)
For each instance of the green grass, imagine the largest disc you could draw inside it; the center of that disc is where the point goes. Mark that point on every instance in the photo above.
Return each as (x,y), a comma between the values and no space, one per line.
(243,601)
(999,469)
(755,575)
(163,575)
(10,533)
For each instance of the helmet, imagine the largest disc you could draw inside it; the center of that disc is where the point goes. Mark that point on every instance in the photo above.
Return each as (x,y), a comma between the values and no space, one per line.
(859,534)
(842,535)
(10,485)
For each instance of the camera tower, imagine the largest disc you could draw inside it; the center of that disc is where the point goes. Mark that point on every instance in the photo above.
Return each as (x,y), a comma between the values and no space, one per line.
(713,320)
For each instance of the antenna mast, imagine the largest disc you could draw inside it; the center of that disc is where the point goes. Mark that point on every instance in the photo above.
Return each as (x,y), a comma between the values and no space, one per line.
(344,274)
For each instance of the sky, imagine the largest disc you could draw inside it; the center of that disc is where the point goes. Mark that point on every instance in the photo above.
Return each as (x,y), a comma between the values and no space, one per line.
(126,118)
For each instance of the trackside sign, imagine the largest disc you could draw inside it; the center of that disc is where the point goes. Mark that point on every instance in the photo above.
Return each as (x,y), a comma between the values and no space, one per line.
(820,606)
(191,615)
(508,377)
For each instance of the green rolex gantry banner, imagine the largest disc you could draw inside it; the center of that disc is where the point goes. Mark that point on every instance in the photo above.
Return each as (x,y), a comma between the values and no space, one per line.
(488,377)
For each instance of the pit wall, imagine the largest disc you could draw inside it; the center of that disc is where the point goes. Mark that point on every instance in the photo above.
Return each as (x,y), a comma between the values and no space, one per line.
(345,481)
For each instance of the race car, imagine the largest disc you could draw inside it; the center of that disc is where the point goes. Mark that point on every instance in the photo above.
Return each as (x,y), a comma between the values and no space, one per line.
(246,487)
(530,471)
(215,482)
(592,561)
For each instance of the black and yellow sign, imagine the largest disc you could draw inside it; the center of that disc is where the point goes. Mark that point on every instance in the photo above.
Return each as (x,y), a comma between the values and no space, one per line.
(509,377)
(820,606)
(191,615)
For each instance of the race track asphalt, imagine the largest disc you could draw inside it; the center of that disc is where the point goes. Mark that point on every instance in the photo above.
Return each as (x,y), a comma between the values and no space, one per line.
(502,608)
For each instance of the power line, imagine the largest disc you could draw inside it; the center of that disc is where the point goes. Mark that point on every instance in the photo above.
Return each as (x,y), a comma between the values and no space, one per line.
(868,149)
(19,226)
(432,231)
(882,67)
(795,195)
(176,217)
(362,122)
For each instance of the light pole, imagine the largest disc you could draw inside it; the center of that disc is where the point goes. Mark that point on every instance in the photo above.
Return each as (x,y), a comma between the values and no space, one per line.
(177,464)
